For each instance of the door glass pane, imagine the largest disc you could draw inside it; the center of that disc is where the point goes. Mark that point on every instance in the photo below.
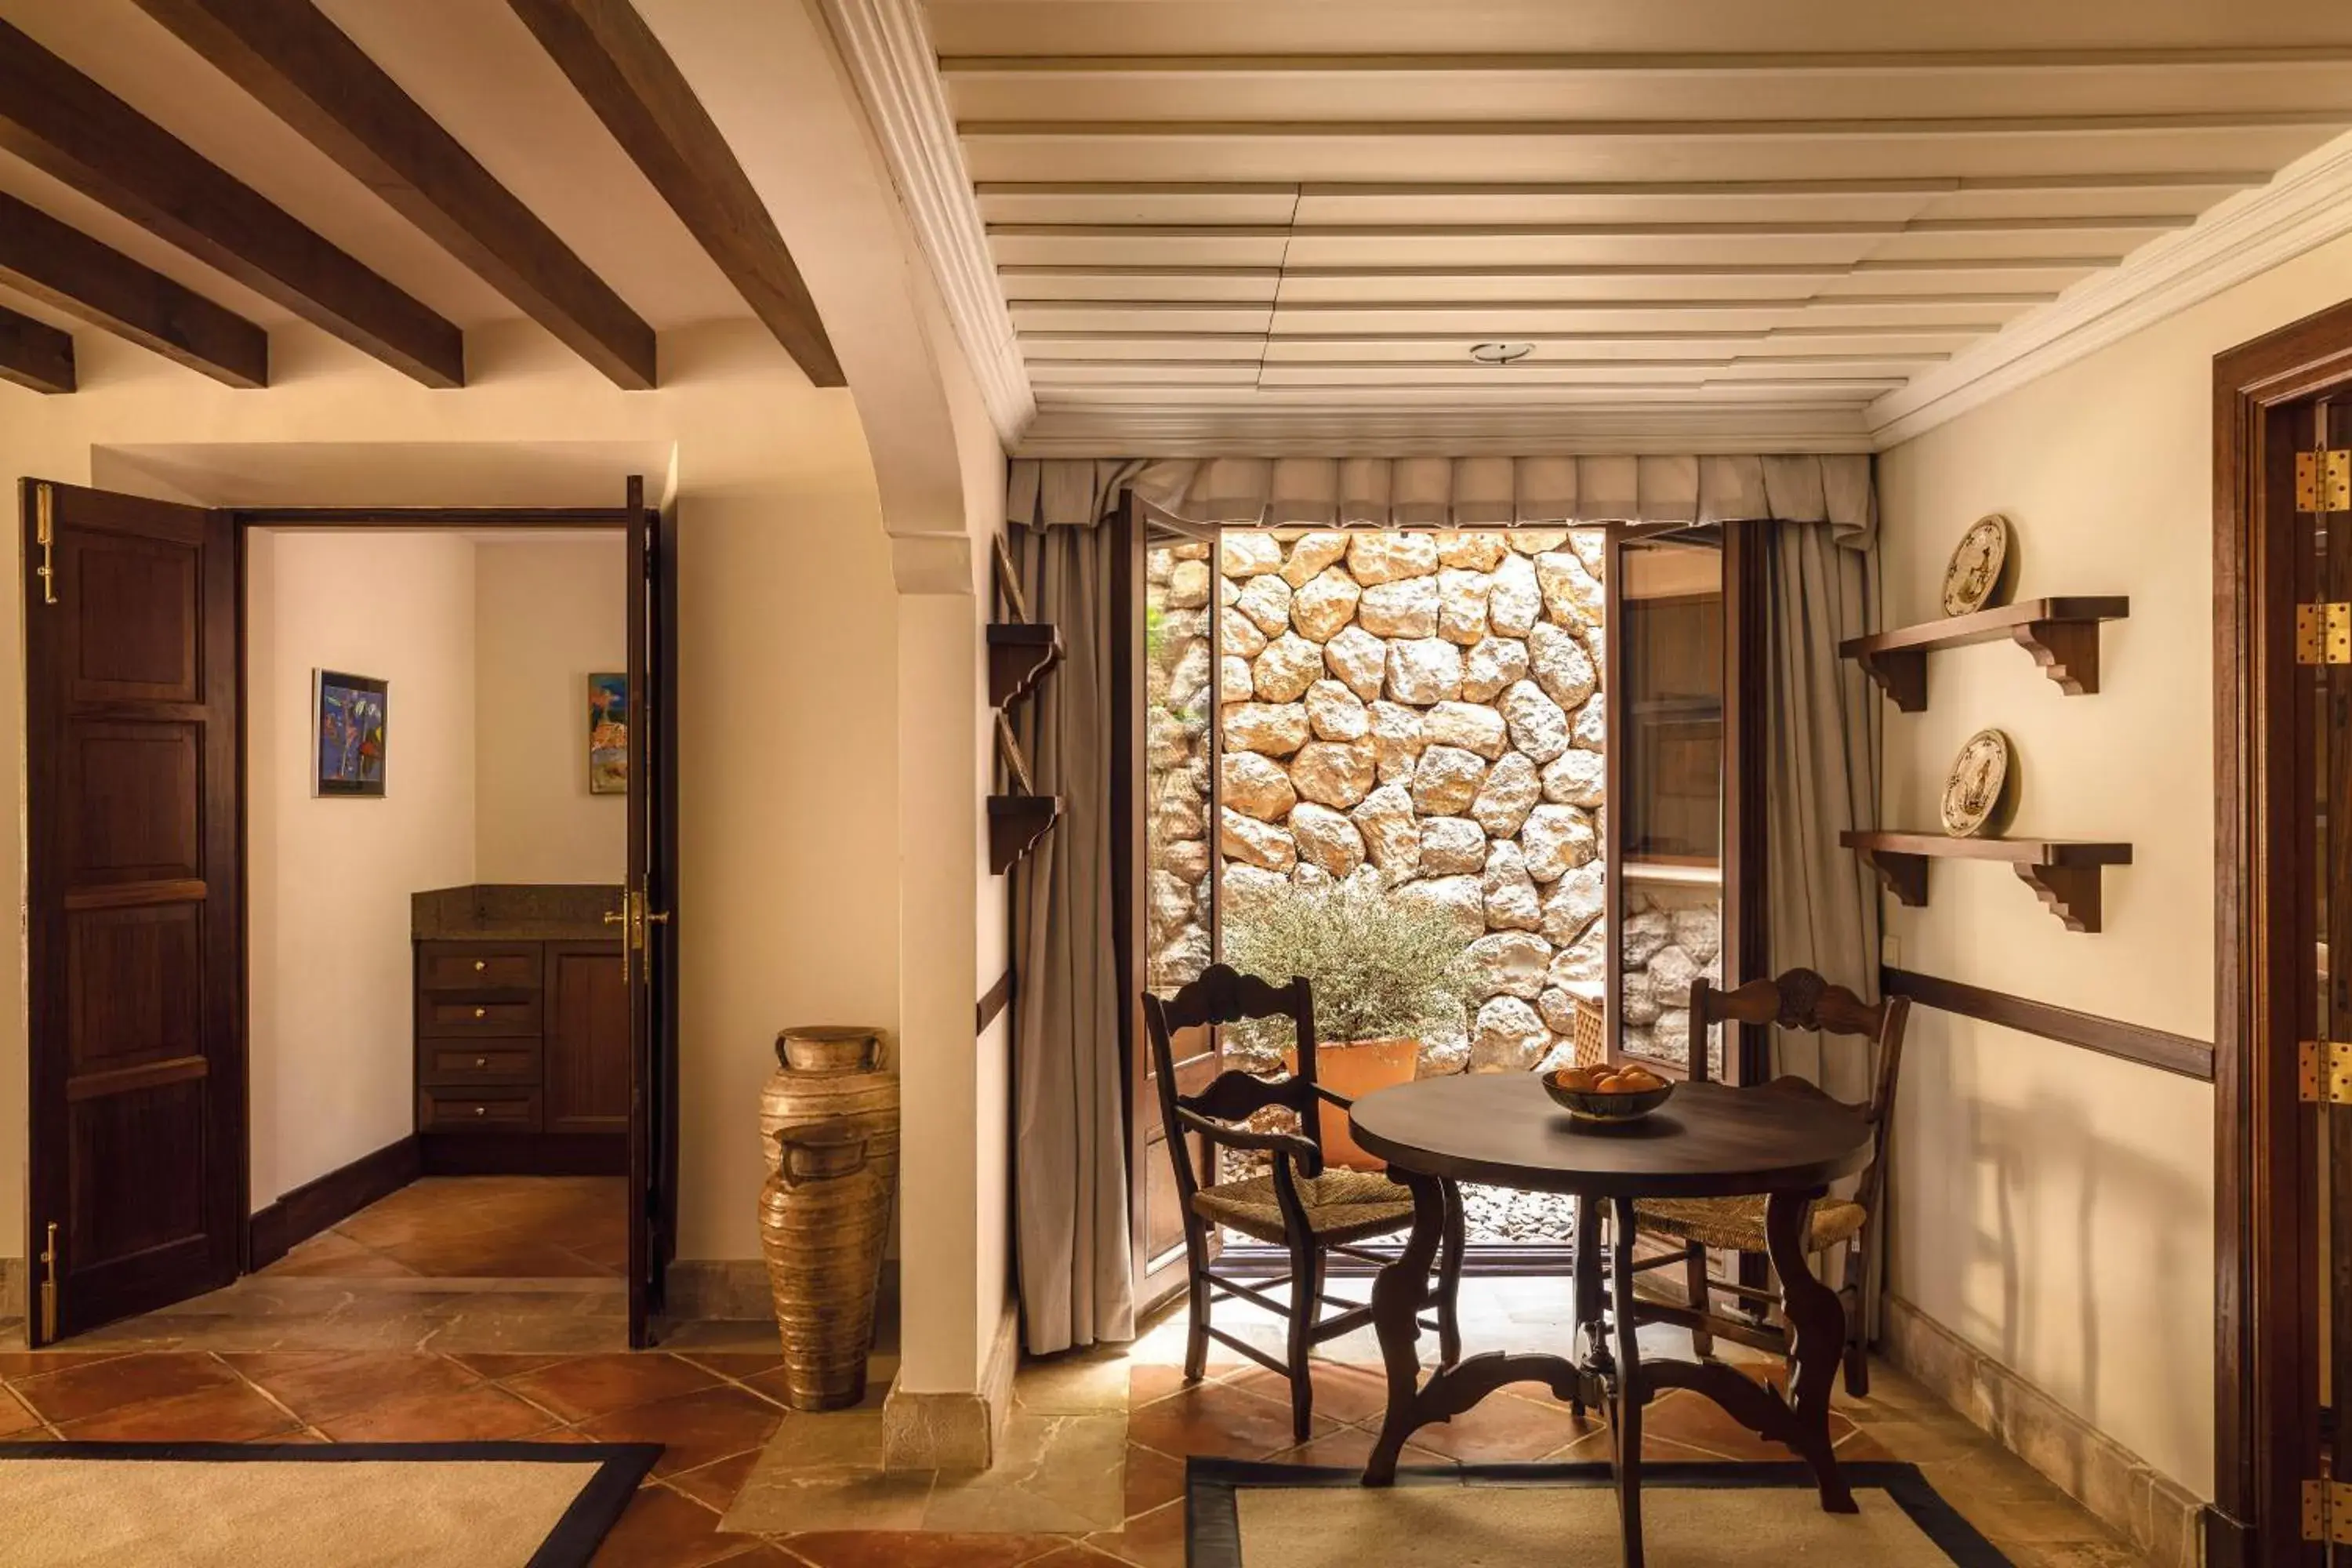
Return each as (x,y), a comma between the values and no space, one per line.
(1670,892)
(1179,671)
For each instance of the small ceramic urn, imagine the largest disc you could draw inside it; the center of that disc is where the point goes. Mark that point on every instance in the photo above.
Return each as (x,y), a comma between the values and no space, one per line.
(824,1219)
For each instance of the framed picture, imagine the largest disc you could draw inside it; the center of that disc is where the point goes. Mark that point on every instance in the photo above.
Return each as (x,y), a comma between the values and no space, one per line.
(352,728)
(608,734)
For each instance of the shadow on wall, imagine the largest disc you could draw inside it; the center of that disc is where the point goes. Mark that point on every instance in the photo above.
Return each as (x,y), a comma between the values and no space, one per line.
(2052,1145)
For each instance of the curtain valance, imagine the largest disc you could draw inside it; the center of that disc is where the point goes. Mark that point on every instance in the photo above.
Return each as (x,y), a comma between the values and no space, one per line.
(1454,492)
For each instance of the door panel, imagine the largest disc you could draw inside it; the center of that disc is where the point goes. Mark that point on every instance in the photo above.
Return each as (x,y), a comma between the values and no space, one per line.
(650,932)
(137,1070)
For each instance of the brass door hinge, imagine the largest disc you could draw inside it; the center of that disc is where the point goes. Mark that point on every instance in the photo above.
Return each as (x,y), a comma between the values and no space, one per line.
(2323,480)
(45,531)
(2323,634)
(50,1287)
(2327,1511)
(2323,1073)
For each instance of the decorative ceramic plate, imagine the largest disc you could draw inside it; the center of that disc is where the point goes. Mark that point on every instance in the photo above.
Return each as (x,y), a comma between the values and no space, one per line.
(1980,792)
(1982,567)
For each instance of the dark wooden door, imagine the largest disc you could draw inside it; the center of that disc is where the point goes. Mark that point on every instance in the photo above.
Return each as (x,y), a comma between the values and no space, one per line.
(134,918)
(586,1064)
(650,947)
(1163,793)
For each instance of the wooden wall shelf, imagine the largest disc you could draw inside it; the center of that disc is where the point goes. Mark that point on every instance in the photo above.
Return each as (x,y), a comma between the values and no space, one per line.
(2062,636)
(2065,873)
(1019,655)
(1015,824)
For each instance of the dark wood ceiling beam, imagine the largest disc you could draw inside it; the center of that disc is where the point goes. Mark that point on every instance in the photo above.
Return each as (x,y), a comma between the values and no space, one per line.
(298,64)
(64,268)
(64,124)
(34,354)
(628,79)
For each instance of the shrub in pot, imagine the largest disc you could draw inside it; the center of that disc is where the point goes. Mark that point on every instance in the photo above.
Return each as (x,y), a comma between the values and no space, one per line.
(1386,972)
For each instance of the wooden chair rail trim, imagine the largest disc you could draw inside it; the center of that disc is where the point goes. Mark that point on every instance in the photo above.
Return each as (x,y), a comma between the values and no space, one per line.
(2108,1037)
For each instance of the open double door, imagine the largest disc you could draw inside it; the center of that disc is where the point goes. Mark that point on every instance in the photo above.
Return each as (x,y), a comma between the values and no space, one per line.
(1682,684)
(135,896)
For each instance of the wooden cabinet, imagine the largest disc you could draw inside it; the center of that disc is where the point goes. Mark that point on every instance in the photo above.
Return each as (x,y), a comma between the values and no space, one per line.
(523,1056)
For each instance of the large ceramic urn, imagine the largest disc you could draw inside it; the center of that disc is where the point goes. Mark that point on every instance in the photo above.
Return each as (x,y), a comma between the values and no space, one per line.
(826,1071)
(824,1219)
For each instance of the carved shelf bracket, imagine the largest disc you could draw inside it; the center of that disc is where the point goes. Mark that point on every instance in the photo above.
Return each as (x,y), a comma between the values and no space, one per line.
(1015,824)
(2066,872)
(1019,655)
(2062,636)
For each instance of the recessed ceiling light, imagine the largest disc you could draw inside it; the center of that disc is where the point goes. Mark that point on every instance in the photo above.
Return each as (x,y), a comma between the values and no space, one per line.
(1500,354)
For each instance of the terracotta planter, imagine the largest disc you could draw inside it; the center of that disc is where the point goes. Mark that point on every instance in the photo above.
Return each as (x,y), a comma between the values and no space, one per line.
(1355,1068)
(823,1219)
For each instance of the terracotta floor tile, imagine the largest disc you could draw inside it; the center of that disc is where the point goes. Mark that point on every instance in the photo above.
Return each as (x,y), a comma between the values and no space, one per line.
(331,1255)
(1503,1428)
(16,1416)
(502,1365)
(96,1386)
(902,1548)
(737,1364)
(697,1428)
(1152,1479)
(1077,1554)
(663,1530)
(1155,1539)
(322,1388)
(1860,1446)
(1700,1422)
(233,1412)
(1148,1381)
(480,1413)
(715,1486)
(1344,1393)
(1217,1419)
(15,1365)
(599,1384)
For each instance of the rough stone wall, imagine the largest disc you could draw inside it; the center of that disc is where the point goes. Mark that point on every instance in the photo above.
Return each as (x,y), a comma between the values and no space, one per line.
(1177,707)
(1422,710)
(1673,935)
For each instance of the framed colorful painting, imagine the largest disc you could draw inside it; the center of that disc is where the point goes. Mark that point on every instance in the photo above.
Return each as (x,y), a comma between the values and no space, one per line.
(353,713)
(608,734)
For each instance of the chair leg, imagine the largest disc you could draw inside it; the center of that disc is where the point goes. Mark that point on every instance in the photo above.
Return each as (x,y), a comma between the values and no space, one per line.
(1305,1294)
(1857,1348)
(1701,1294)
(1196,1338)
(1449,1279)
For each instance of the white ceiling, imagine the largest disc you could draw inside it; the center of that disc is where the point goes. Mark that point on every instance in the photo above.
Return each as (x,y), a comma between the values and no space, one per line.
(1284,222)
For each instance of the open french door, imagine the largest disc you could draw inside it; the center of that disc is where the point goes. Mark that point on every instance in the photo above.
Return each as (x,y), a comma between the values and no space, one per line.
(134,917)
(1685,692)
(651,936)
(1164,875)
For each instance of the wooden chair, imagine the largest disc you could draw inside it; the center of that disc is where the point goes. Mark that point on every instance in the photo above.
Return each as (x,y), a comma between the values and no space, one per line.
(1298,1204)
(1590,1039)
(1799,999)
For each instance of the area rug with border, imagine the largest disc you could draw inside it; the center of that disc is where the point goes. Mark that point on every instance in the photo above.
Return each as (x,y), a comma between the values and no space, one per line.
(313,1505)
(1255,1515)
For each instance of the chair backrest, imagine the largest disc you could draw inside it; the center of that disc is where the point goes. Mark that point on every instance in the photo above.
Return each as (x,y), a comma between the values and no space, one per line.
(1222,994)
(1591,1038)
(1800,999)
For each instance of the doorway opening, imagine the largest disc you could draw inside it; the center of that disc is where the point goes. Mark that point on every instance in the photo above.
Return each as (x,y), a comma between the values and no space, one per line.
(437,829)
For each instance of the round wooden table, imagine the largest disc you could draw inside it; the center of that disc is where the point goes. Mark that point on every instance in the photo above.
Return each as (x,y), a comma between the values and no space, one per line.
(1708,1140)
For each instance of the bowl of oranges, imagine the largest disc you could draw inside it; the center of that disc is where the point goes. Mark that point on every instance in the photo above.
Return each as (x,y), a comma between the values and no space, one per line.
(1611,1094)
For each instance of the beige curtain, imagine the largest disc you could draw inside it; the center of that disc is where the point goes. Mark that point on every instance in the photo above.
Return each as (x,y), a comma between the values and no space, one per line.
(1070,1166)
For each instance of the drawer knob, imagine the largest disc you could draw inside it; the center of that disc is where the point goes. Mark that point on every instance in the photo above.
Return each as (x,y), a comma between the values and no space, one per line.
(482,1062)
(481,1012)
(481,1111)
(481,964)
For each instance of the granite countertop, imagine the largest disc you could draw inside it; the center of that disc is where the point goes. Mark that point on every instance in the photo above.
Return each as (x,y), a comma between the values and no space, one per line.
(511,912)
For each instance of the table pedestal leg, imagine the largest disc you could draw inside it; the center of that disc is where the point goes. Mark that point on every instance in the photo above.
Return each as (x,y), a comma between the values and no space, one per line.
(1816,1342)
(1398,1293)
(1626,1392)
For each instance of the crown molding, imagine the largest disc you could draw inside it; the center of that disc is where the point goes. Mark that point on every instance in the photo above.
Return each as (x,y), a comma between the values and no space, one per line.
(1177,429)
(2307,204)
(890,58)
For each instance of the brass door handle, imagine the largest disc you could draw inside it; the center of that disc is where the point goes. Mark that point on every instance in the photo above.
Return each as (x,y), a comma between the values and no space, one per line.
(659,917)
(616,917)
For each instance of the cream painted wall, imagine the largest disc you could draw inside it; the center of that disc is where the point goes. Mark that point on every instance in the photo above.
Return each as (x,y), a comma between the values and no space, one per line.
(547,613)
(330,878)
(787,882)
(2053,1206)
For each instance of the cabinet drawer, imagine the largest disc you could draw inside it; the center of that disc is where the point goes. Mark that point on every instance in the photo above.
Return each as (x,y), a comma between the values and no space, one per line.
(491,1062)
(447,1016)
(487,1110)
(472,966)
